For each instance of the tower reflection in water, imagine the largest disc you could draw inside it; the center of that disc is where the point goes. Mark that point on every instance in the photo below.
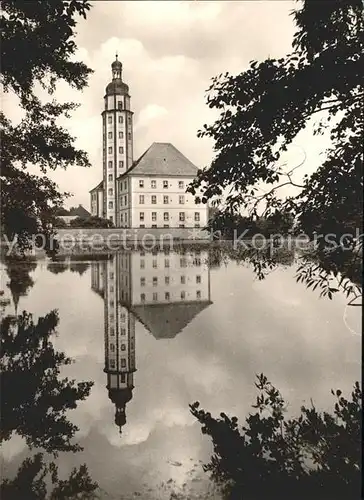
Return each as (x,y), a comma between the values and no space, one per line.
(162,289)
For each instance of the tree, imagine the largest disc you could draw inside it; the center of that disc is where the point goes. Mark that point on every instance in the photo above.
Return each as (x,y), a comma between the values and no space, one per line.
(316,455)
(34,400)
(265,107)
(90,222)
(37,44)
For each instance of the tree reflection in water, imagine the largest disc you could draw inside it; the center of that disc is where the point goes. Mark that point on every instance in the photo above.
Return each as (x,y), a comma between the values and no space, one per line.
(34,402)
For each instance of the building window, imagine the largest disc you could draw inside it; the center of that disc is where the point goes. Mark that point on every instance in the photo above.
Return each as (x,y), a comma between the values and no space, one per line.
(154,199)
(198,279)
(110,164)
(165,225)
(142,253)
(154,226)
(121,218)
(154,264)
(126,199)
(154,216)
(112,331)
(121,149)
(197,216)
(166,280)
(123,347)
(112,347)
(129,119)
(153,184)
(125,184)
(181,184)
(165,184)
(181,199)
(112,363)
(129,136)
(166,216)
(122,378)
(182,216)
(111,205)
(141,183)
(142,281)
(126,217)
(110,192)
(142,226)
(141,216)
(121,135)
(183,280)
(183,262)
(123,362)
(110,177)
(198,294)
(120,105)
(165,200)
(121,120)
(110,150)
(166,295)
(155,296)
(197,225)
(142,263)
(183,295)
(142,297)
(122,330)
(166,262)
(155,281)
(181,225)
(197,261)
(109,135)
(141,199)
(109,119)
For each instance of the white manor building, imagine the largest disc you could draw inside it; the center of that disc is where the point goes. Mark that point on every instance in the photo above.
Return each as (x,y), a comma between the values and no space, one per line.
(147,193)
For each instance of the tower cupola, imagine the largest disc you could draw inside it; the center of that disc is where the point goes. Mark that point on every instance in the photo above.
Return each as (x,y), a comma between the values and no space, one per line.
(117,86)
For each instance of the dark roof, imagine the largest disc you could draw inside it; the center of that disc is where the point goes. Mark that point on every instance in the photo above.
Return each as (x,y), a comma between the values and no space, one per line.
(118,87)
(162,158)
(165,321)
(79,212)
(61,212)
(99,186)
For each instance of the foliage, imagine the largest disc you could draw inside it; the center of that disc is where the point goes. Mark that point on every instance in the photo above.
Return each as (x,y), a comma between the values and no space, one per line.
(316,455)
(30,482)
(59,223)
(94,221)
(229,225)
(37,45)
(34,399)
(264,108)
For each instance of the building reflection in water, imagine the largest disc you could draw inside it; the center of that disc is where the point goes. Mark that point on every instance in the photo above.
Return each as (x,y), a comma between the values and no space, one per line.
(162,289)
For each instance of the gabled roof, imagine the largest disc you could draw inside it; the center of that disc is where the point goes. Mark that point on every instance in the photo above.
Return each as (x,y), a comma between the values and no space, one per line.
(79,212)
(99,186)
(165,321)
(162,158)
(61,212)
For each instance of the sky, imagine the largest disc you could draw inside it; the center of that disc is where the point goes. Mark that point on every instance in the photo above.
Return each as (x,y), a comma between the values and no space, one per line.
(170,50)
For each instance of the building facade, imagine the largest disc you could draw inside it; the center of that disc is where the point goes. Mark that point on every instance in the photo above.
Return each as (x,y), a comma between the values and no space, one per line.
(150,192)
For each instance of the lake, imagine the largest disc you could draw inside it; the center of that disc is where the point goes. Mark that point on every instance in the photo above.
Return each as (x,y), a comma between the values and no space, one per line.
(157,331)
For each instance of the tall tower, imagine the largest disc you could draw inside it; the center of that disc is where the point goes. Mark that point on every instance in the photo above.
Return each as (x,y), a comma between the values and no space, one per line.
(117,132)
(119,343)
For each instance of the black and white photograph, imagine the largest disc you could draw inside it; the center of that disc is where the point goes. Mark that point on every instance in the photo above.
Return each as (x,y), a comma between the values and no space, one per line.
(181,235)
